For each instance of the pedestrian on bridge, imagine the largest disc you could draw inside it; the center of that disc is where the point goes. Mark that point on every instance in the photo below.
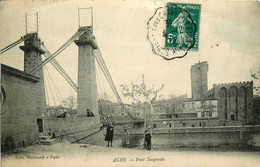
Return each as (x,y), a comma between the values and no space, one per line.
(109,134)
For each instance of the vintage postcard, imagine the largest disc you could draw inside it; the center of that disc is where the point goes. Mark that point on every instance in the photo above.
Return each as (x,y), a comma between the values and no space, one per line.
(93,83)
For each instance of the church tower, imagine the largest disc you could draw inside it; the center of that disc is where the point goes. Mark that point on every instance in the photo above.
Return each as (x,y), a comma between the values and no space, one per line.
(199,79)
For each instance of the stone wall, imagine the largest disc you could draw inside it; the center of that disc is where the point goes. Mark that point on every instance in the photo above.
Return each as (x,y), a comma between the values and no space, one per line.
(18,108)
(74,129)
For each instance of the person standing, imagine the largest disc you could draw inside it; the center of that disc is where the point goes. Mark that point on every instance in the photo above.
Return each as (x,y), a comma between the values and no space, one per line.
(125,138)
(147,140)
(109,134)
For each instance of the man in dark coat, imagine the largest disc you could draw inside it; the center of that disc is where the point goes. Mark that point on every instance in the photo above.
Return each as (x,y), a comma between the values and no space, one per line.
(109,134)
(147,140)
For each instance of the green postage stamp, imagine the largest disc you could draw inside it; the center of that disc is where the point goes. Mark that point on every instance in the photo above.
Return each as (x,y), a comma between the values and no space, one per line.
(182,26)
(174,30)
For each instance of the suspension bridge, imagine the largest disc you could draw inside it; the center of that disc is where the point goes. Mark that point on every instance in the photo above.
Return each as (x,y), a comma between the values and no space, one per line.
(89,54)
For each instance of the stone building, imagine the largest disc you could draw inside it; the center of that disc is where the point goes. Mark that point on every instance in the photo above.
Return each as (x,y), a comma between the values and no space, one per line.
(20,123)
(226,104)
(235,102)
(24,103)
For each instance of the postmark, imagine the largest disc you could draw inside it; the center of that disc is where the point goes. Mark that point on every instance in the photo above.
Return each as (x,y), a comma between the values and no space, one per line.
(173,30)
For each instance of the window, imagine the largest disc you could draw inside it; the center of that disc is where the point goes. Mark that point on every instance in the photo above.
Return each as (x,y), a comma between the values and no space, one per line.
(154,125)
(184,124)
(232,117)
(210,114)
(170,125)
(202,114)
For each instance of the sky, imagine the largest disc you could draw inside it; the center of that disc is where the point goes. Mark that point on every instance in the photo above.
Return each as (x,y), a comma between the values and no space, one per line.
(120,28)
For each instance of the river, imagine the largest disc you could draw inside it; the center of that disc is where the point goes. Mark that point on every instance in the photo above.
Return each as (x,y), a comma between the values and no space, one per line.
(195,141)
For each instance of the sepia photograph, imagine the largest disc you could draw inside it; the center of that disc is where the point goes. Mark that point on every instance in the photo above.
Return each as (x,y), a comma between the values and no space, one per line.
(138,83)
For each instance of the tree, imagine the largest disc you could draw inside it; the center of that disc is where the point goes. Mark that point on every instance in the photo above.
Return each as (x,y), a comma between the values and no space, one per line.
(207,107)
(141,96)
(256,77)
(54,111)
(70,103)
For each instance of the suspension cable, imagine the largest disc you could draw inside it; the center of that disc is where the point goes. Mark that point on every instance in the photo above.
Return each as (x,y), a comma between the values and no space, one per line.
(99,74)
(64,46)
(109,79)
(50,87)
(59,68)
(99,70)
(104,72)
(106,69)
(99,84)
(56,90)
(46,90)
(99,56)
(14,44)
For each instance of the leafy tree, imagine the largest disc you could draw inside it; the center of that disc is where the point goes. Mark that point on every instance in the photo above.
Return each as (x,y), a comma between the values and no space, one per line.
(141,96)
(207,108)
(54,111)
(70,104)
(256,77)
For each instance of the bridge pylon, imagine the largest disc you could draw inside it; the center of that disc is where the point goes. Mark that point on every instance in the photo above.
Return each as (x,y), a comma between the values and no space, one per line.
(87,85)
(33,57)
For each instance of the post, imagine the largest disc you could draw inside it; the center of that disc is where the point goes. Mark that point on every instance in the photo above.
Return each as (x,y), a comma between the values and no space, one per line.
(151,117)
(37,22)
(92,17)
(26,23)
(145,116)
(78,17)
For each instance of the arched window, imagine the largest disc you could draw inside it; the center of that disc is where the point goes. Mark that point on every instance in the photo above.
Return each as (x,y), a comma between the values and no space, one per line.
(223,92)
(242,91)
(232,91)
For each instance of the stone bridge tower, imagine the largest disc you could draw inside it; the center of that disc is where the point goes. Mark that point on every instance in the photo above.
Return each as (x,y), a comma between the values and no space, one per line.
(32,57)
(87,86)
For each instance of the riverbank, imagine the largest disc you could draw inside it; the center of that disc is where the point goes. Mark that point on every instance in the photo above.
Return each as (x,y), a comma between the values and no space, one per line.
(83,155)
(184,130)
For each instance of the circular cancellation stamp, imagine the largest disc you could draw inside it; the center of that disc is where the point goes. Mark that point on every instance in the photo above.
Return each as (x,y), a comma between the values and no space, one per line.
(173,30)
